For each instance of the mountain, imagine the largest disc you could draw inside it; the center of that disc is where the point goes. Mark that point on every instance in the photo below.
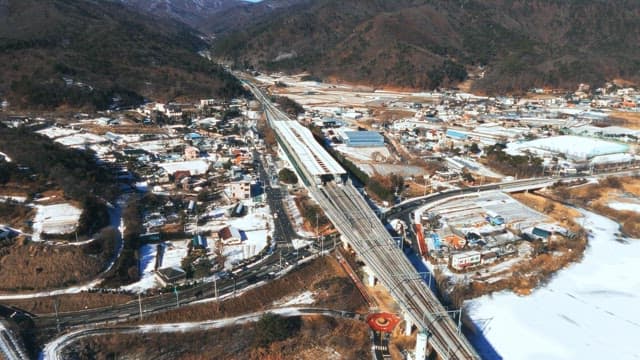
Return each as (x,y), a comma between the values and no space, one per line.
(99,54)
(213,16)
(517,44)
(192,12)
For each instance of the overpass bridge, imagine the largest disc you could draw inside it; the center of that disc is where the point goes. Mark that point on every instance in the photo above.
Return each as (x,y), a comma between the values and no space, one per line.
(360,227)
(404,207)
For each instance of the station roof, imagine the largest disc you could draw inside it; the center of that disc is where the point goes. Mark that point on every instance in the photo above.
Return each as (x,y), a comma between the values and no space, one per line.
(315,158)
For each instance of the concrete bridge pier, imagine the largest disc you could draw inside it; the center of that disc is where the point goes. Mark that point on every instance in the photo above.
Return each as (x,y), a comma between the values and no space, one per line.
(408,325)
(345,242)
(421,345)
(370,276)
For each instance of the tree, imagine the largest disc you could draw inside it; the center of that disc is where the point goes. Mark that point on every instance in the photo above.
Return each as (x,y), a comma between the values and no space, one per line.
(272,327)
(287,176)
(474,148)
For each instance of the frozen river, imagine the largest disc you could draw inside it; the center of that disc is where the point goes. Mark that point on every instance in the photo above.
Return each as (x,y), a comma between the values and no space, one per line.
(590,310)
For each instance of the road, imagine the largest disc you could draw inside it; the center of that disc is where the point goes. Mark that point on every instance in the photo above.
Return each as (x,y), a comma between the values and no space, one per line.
(284,231)
(529,184)
(9,346)
(380,344)
(358,224)
(52,350)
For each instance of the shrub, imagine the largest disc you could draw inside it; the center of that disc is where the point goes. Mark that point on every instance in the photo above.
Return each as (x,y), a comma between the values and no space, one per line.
(287,176)
(272,327)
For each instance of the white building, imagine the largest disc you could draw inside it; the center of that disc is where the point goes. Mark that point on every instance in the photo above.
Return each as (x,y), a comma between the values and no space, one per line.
(466,259)
(239,190)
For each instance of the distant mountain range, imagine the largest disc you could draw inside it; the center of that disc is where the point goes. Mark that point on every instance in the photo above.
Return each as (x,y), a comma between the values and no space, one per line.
(193,12)
(515,44)
(100,54)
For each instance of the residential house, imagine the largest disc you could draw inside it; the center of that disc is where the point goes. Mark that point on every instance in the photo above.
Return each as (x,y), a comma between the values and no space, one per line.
(239,190)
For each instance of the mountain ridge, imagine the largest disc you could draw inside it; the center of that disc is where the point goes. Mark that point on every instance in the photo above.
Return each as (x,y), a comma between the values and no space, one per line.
(85,54)
(427,44)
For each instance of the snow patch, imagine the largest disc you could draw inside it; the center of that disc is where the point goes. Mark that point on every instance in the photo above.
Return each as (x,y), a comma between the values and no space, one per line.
(55,219)
(624,206)
(305,298)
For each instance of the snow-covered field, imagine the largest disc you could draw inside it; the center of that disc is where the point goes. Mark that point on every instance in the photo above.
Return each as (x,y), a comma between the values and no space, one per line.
(148,253)
(624,206)
(587,311)
(81,139)
(56,132)
(55,219)
(257,225)
(256,241)
(174,252)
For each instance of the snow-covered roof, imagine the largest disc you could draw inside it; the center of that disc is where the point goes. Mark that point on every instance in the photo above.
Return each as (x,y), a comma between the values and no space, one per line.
(195,167)
(576,147)
(613,159)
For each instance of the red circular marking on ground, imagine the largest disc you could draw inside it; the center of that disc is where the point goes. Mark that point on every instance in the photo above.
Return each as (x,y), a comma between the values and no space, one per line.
(384,322)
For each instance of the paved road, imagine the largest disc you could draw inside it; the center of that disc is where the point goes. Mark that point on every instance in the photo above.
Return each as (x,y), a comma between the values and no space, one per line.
(10,347)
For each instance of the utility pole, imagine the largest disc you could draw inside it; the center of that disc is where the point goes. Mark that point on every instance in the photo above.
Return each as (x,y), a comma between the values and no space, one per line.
(140,305)
(318,237)
(215,287)
(175,290)
(234,287)
(55,306)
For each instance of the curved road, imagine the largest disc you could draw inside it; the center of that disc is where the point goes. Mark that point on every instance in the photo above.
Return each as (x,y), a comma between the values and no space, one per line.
(115,214)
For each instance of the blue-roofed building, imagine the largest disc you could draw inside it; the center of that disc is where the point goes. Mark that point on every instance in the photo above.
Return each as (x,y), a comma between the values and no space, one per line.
(193,136)
(456,135)
(363,138)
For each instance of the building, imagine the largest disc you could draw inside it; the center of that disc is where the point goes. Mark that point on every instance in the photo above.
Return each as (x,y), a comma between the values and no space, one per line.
(456,135)
(195,167)
(464,260)
(231,235)
(239,190)
(191,153)
(363,138)
(171,275)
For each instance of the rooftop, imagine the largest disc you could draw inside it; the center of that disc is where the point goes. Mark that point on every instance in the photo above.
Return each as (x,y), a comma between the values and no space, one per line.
(317,160)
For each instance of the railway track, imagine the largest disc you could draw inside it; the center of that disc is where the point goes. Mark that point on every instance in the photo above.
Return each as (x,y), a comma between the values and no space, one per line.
(355,220)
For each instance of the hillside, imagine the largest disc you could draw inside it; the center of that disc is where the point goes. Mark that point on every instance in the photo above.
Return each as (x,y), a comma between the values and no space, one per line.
(213,16)
(425,44)
(191,12)
(99,54)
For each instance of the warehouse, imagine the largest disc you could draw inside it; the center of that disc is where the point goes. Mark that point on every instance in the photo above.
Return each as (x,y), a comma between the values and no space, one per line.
(363,139)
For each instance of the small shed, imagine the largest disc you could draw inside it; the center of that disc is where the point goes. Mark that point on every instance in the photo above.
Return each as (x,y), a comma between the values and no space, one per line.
(170,275)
